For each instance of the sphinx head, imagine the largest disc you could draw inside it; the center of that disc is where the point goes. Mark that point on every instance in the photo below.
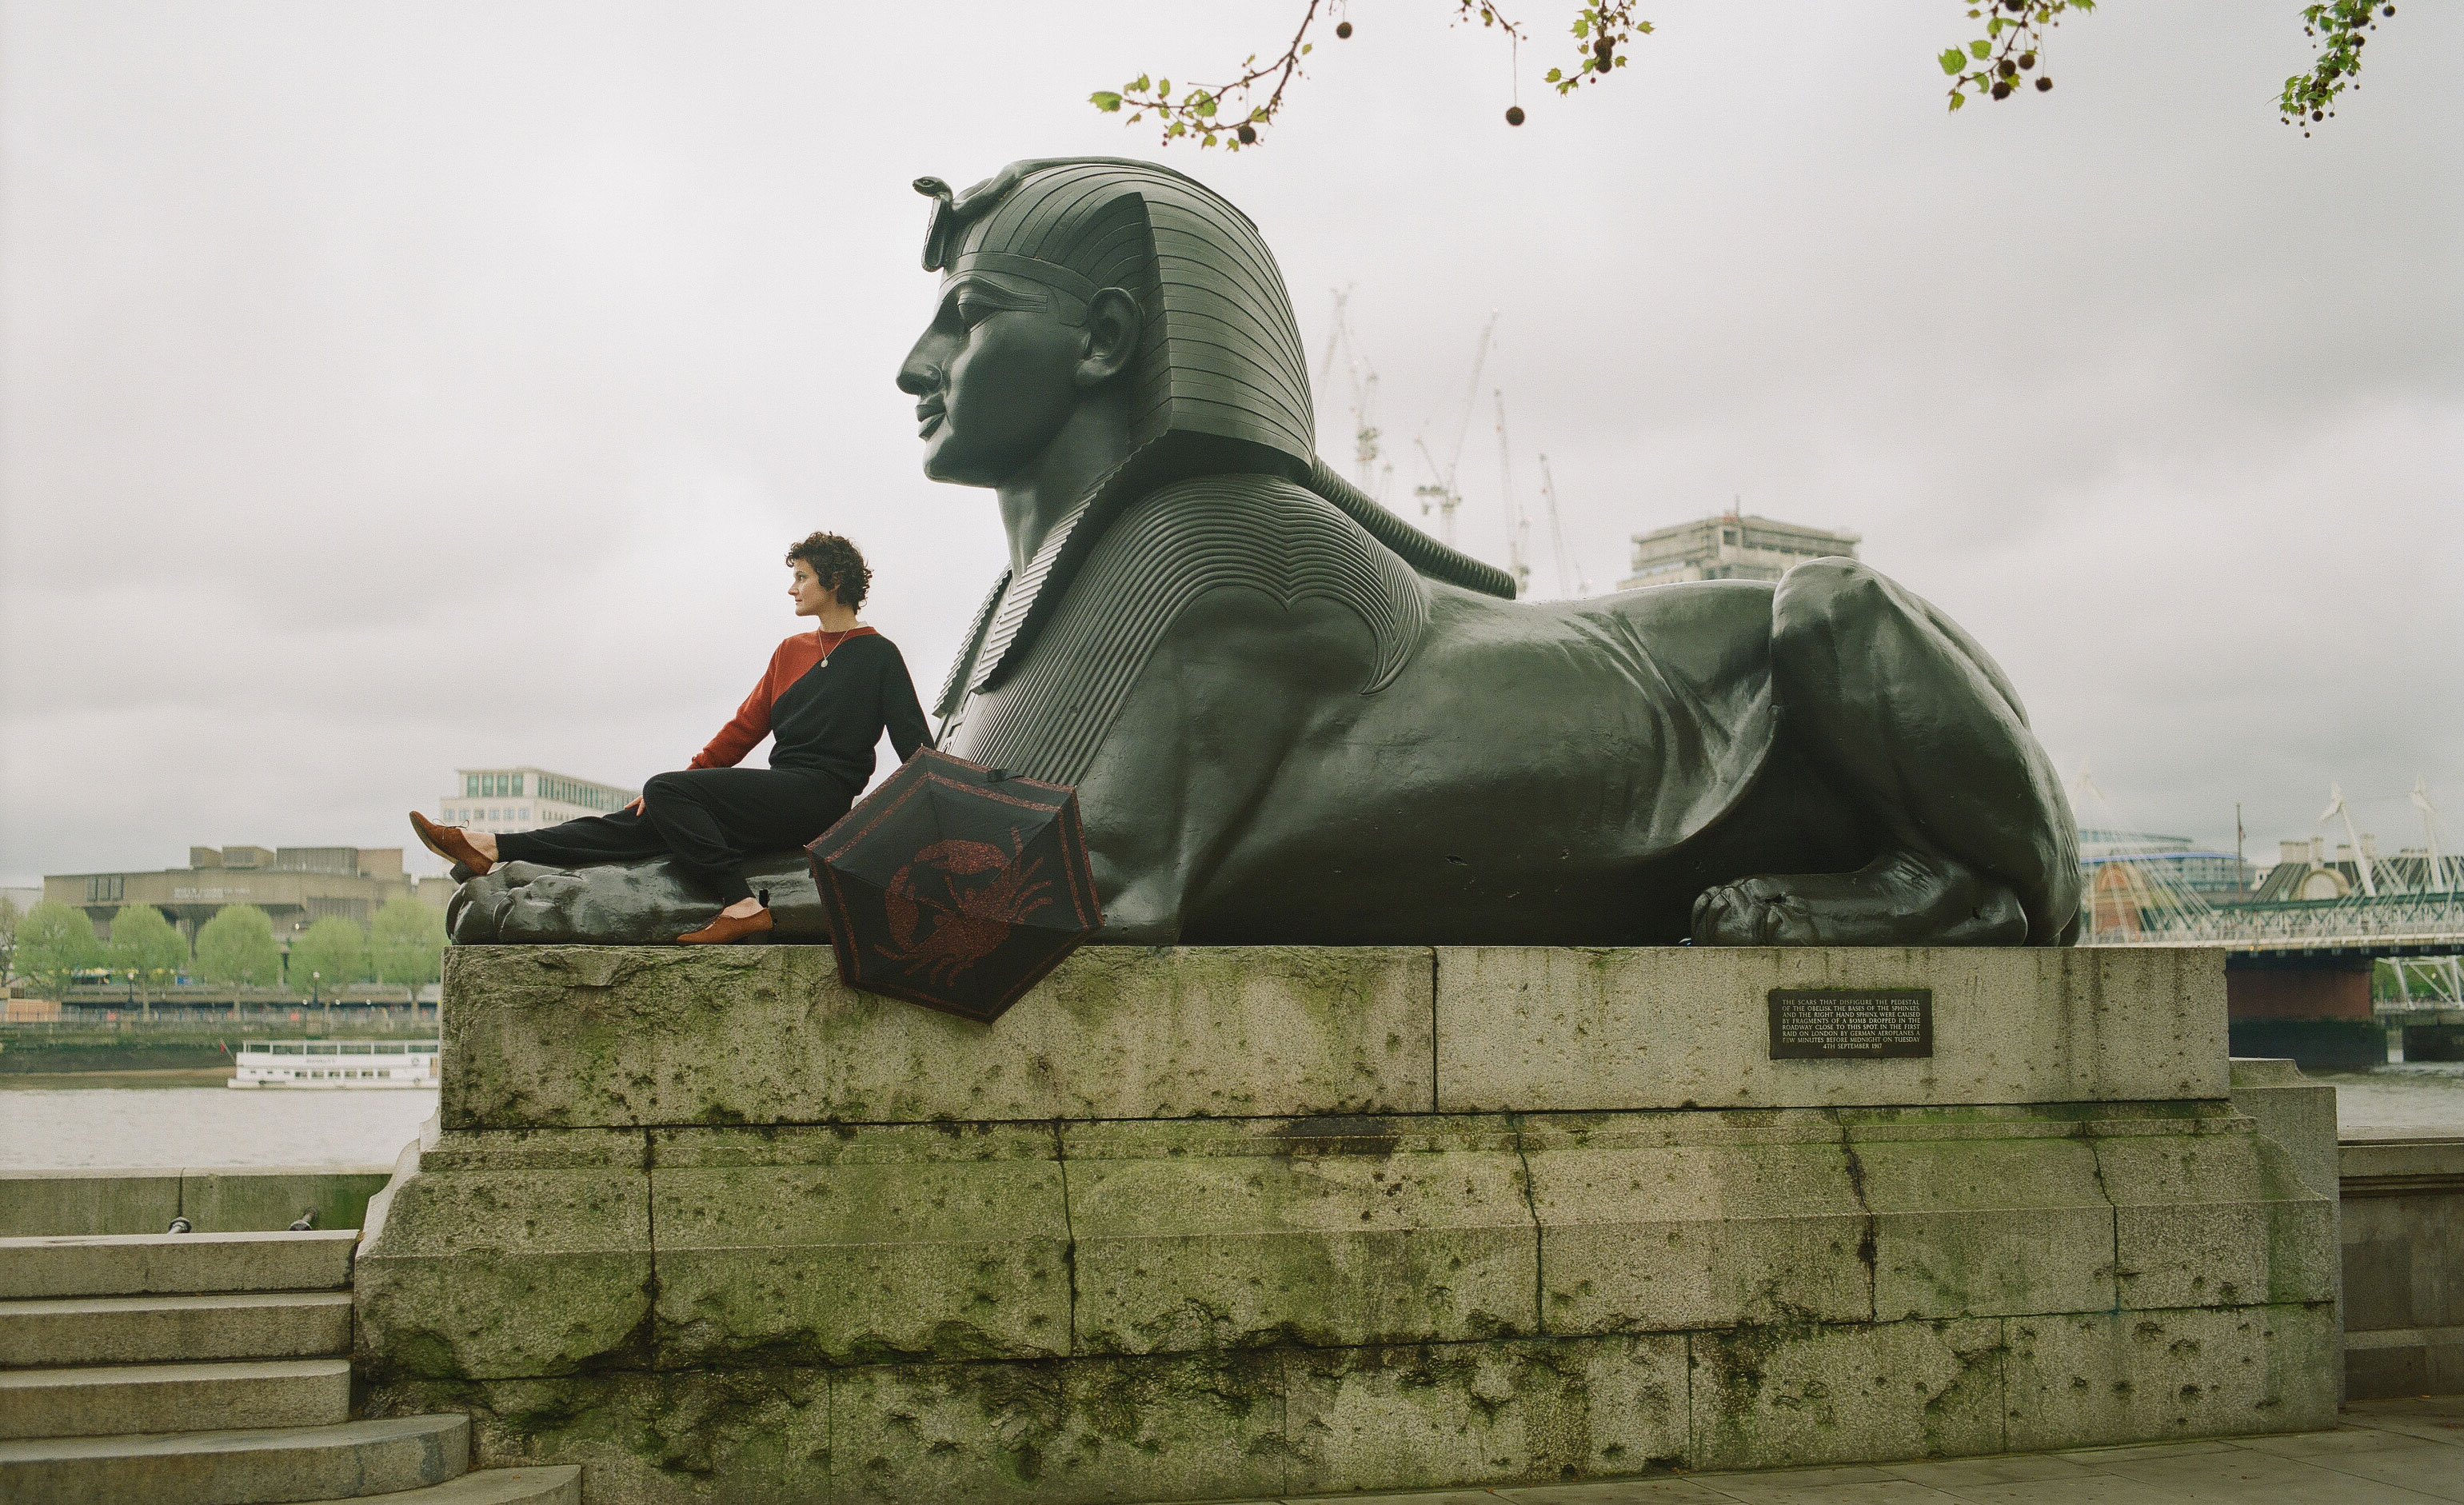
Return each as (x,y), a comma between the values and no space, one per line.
(1103,289)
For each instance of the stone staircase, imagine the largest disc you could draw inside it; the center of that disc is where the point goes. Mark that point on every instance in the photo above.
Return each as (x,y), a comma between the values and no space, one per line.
(210,1369)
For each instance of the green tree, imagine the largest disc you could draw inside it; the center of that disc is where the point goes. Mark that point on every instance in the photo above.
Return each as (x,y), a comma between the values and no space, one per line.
(2002,64)
(146,943)
(54,940)
(335,948)
(8,918)
(236,946)
(407,943)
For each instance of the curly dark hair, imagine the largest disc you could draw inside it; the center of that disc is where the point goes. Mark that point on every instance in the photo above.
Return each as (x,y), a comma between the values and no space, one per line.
(837,564)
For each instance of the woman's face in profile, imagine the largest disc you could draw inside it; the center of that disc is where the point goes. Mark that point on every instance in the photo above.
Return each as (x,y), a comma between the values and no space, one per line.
(811,597)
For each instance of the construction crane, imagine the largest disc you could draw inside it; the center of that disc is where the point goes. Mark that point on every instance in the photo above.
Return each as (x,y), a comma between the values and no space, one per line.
(1441,491)
(1362,378)
(1518,528)
(1567,573)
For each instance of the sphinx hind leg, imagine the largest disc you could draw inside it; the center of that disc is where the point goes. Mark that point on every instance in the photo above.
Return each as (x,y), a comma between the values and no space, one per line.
(1915,723)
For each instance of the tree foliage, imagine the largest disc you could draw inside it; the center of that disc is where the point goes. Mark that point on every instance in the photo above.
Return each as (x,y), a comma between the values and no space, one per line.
(332,955)
(406,943)
(235,948)
(54,940)
(2002,64)
(147,944)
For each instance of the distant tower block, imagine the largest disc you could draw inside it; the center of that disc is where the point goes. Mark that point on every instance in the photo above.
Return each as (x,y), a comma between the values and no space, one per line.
(1731,547)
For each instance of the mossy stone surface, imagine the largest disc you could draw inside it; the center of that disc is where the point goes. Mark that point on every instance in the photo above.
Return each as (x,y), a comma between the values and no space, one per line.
(2097,1378)
(1838,1394)
(583,1037)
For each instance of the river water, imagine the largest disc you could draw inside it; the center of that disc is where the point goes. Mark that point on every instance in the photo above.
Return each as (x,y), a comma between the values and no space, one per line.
(52,1128)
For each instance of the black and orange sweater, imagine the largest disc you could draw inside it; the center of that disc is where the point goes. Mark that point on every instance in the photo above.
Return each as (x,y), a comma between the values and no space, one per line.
(826,717)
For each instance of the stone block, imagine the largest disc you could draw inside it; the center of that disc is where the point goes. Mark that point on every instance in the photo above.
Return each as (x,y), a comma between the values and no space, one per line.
(2210,1212)
(1764,1397)
(35,1203)
(710,1437)
(261,1201)
(2293,1111)
(1331,1233)
(510,1255)
(1576,1029)
(1423,1417)
(1656,1222)
(859,1245)
(583,1037)
(1066,1432)
(2098,1378)
(1981,1213)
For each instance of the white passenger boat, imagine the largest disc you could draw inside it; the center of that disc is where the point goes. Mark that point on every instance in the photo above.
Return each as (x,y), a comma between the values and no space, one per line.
(337,1063)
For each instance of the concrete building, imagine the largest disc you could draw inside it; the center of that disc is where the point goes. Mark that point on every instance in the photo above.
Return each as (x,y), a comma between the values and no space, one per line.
(295,885)
(525,798)
(1731,547)
(2166,861)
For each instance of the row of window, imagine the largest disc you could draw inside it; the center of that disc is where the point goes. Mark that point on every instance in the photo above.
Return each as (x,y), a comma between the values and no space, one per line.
(105,888)
(488,786)
(574,791)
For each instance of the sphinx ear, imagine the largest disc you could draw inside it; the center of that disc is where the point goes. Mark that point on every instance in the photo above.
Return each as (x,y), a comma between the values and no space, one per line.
(1113,324)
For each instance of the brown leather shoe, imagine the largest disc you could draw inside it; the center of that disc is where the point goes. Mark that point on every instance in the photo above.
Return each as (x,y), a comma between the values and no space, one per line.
(727,928)
(450,843)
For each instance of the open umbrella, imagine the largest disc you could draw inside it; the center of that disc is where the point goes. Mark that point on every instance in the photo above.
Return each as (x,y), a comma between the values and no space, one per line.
(955,886)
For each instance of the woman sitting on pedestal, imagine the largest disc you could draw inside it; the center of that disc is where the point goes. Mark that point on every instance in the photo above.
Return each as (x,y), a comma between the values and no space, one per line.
(827,698)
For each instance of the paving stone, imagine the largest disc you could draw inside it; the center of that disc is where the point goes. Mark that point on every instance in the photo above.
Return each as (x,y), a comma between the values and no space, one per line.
(1331,1233)
(860,1246)
(2198,1372)
(142,1264)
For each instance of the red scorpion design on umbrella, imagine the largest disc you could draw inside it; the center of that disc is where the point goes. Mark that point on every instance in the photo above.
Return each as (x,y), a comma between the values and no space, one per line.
(982,919)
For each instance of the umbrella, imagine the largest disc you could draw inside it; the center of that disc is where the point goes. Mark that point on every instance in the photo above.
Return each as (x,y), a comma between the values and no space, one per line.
(956,886)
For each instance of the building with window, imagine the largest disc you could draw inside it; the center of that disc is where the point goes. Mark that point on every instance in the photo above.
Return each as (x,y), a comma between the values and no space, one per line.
(295,885)
(2166,861)
(502,799)
(1731,547)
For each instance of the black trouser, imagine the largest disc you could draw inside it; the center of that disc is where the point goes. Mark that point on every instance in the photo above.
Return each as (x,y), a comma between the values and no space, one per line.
(707,818)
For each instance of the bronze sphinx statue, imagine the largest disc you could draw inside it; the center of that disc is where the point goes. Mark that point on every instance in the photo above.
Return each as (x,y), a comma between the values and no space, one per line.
(1293,718)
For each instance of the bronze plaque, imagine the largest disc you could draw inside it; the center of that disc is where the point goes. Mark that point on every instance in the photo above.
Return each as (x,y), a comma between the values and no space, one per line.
(1850,1023)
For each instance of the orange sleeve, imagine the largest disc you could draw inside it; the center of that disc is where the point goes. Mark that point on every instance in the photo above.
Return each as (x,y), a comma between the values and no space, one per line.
(750,725)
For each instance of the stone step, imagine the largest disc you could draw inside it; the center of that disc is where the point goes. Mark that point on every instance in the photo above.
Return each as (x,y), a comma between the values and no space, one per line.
(184,1264)
(562,1486)
(402,1458)
(174,1329)
(105,1400)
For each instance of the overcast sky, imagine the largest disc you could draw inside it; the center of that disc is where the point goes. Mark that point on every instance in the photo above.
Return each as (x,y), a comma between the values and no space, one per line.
(387,389)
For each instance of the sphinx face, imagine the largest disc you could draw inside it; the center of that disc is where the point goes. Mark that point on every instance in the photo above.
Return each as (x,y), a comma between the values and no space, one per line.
(995,377)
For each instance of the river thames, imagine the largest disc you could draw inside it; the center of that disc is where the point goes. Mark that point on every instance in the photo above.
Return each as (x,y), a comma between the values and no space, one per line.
(48,1126)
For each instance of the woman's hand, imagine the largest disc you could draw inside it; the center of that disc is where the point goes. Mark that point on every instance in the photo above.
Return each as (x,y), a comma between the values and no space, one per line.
(633,809)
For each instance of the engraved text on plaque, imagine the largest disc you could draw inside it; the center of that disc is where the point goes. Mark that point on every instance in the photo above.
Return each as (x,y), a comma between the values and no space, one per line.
(1850,1023)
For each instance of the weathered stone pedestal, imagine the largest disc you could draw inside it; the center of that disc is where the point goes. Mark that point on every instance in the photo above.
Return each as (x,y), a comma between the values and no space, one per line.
(1249,1222)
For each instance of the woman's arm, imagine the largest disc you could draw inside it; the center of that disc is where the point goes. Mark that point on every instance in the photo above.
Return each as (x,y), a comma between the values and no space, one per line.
(901,713)
(749,726)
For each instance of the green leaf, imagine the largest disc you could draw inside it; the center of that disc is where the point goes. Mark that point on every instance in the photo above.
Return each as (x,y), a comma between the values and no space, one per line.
(1164,87)
(1138,85)
(1206,105)
(1105,100)
(1957,98)
(1980,50)
(1952,61)
(1554,74)
(1582,26)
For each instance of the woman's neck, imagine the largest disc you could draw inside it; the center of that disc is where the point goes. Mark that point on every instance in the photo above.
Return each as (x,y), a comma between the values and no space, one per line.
(835,619)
